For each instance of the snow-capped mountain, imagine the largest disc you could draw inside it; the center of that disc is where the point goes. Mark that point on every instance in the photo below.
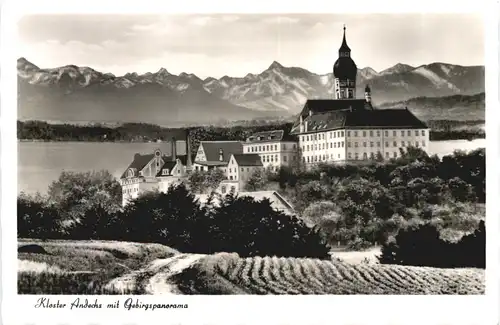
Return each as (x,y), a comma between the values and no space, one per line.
(276,91)
(74,94)
(287,88)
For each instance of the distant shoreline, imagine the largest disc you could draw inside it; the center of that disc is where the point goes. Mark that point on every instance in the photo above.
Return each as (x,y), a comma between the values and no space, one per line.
(40,131)
(123,141)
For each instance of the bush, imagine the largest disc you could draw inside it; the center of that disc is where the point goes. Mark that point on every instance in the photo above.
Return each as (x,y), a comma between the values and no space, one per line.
(36,218)
(254,228)
(422,246)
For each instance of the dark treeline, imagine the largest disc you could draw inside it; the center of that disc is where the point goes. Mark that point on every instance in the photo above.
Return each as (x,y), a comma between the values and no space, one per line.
(422,246)
(175,219)
(140,132)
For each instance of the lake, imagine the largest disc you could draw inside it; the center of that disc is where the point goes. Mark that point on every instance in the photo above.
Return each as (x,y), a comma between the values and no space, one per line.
(39,163)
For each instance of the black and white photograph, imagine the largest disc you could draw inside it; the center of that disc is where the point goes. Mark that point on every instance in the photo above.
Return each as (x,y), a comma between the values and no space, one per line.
(214,168)
(250,154)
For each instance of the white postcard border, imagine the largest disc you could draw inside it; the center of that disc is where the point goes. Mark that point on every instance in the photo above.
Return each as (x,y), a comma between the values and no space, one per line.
(17,309)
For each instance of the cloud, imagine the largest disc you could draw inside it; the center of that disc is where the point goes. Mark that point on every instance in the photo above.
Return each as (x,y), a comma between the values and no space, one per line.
(235,44)
(280,20)
(201,21)
(230,19)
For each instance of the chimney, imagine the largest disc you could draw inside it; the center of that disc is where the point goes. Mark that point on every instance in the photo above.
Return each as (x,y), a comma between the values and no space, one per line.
(221,154)
(189,163)
(174,149)
(368,94)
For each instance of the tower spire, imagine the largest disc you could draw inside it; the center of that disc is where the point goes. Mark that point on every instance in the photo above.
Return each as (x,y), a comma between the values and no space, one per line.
(344,47)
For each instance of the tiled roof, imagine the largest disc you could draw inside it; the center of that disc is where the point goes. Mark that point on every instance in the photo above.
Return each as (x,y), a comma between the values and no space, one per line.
(385,118)
(212,148)
(169,164)
(270,136)
(212,163)
(249,159)
(277,201)
(327,105)
(266,136)
(140,161)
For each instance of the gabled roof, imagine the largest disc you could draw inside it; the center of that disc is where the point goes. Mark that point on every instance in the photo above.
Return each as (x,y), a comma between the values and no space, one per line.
(212,148)
(140,161)
(169,165)
(249,159)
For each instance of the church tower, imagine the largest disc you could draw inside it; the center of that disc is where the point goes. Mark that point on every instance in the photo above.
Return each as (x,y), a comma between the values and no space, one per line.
(344,73)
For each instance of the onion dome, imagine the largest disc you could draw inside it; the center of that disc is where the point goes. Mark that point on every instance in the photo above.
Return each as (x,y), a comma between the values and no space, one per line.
(344,67)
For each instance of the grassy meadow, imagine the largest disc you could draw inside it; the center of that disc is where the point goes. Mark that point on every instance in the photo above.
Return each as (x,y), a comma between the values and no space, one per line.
(110,267)
(81,267)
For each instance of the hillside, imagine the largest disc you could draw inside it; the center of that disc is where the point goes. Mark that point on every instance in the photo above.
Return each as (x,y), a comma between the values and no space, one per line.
(456,107)
(78,94)
(72,267)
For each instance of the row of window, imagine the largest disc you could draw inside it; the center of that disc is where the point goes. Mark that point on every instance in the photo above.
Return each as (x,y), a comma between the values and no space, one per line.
(268,147)
(269,158)
(386,133)
(387,144)
(372,155)
(130,190)
(322,146)
(356,155)
(316,158)
(322,136)
(224,189)
(231,170)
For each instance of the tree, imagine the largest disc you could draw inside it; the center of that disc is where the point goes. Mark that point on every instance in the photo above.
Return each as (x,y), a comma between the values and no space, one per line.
(36,218)
(254,228)
(76,193)
(422,246)
(257,180)
(461,191)
(169,218)
(205,181)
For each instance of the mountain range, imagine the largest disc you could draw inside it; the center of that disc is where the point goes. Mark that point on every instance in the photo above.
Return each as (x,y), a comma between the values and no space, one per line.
(74,94)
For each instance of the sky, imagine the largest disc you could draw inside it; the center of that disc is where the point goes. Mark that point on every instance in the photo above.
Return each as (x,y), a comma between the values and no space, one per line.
(235,45)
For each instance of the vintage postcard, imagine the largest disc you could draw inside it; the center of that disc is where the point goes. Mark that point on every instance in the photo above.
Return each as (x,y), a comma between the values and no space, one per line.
(171,161)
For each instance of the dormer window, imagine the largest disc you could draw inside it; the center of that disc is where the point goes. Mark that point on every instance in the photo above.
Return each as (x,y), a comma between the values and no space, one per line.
(164,172)
(130,173)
